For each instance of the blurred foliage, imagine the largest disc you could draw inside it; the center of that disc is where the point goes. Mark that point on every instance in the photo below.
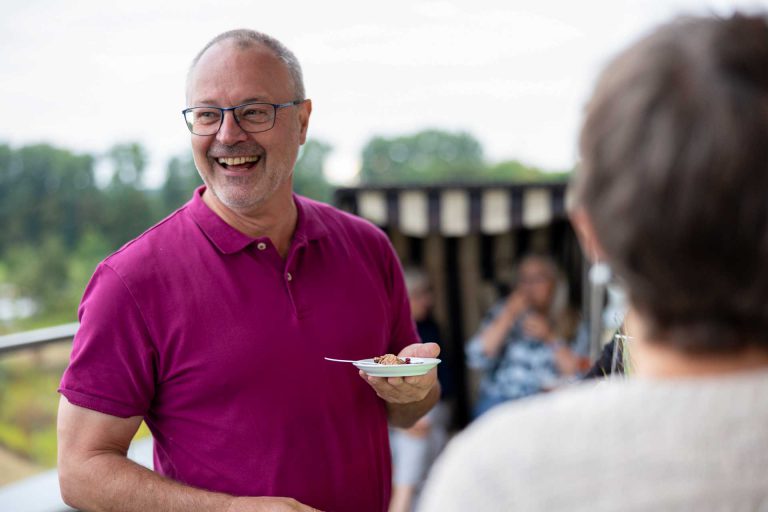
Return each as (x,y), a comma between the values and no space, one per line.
(426,156)
(29,403)
(440,156)
(45,191)
(129,209)
(513,170)
(308,177)
(181,178)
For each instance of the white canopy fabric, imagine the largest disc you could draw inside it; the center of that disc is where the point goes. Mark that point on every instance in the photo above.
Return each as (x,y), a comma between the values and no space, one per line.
(457,210)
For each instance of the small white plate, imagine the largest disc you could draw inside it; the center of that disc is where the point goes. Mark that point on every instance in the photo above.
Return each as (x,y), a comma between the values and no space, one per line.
(418,366)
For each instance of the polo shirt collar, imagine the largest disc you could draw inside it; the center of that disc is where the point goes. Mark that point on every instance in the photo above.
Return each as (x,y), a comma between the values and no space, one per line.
(309,225)
(228,240)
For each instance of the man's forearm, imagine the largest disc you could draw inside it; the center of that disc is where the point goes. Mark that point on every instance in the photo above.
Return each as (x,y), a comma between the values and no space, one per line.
(405,415)
(111,482)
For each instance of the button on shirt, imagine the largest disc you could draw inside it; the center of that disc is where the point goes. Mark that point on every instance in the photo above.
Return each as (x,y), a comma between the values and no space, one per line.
(220,348)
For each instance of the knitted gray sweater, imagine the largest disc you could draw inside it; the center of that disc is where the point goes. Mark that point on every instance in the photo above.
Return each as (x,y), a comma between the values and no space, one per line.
(637,444)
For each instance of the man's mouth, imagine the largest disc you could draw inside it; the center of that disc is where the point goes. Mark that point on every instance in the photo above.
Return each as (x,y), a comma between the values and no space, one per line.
(239,162)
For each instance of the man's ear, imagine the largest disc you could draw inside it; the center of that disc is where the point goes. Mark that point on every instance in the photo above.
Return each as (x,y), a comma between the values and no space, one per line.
(304,113)
(585,232)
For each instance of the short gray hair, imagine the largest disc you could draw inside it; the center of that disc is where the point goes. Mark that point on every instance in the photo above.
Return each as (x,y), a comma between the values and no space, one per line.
(246,38)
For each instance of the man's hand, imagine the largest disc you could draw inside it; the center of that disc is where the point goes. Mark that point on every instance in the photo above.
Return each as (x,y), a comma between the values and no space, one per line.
(406,390)
(268,505)
(408,398)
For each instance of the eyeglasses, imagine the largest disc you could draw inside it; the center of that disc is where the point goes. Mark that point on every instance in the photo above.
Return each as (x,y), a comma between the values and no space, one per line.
(250,117)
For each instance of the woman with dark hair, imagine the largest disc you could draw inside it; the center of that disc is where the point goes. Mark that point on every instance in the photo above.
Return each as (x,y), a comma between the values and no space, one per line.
(672,192)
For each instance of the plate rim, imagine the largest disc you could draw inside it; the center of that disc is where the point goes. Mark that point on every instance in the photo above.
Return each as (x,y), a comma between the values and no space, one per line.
(369,362)
(397,370)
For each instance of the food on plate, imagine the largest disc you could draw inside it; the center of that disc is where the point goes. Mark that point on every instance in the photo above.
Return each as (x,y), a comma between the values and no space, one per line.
(391,359)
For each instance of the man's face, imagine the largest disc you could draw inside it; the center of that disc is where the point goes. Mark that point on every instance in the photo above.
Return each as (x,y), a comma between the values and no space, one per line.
(226,76)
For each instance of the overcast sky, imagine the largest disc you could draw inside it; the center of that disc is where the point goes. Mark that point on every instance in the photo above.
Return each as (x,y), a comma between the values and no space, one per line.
(515,74)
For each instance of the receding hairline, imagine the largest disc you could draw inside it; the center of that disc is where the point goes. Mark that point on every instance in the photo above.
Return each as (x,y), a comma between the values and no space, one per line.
(246,39)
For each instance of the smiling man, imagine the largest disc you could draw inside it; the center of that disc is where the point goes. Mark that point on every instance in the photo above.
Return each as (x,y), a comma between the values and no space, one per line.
(212,326)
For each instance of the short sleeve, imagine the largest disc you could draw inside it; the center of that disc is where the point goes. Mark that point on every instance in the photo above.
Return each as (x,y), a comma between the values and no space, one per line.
(113,364)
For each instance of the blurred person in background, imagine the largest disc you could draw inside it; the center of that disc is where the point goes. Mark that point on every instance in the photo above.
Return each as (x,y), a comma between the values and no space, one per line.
(415,449)
(529,341)
(671,192)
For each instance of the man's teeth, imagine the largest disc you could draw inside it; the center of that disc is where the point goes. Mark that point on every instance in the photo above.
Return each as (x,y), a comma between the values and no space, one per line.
(240,160)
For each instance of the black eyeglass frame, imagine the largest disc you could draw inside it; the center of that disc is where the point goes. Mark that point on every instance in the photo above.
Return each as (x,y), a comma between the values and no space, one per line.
(223,110)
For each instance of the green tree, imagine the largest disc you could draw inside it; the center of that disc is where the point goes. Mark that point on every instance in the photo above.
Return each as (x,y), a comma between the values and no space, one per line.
(308,177)
(81,262)
(129,210)
(514,170)
(427,156)
(40,271)
(44,191)
(181,178)
(128,161)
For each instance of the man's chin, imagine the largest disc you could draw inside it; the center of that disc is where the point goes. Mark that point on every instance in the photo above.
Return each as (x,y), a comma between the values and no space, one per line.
(236,198)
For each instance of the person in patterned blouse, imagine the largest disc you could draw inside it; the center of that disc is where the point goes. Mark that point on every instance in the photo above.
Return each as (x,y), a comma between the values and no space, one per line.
(526,344)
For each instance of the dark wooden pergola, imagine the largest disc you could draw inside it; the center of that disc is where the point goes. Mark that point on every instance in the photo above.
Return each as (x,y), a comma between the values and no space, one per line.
(467,238)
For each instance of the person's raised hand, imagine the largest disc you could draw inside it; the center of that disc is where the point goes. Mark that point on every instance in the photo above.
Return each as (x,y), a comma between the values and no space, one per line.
(516,303)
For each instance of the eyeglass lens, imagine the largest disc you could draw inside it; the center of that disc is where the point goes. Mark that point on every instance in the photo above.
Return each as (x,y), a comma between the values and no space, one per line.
(252,117)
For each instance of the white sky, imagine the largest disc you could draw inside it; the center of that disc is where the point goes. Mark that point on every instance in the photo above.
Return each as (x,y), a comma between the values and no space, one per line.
(515,74)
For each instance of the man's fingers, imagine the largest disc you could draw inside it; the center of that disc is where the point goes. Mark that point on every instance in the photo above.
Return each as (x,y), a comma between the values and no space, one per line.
(399,389)
(416,381)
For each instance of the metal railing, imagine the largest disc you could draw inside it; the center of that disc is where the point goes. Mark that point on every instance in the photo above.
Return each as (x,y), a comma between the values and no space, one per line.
(40,493)
(37,338)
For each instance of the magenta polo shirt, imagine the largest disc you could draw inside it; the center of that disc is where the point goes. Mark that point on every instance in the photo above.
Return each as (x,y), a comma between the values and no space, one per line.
(219,343)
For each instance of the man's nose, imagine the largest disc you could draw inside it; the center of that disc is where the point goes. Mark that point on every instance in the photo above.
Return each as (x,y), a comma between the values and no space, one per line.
(230,132)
